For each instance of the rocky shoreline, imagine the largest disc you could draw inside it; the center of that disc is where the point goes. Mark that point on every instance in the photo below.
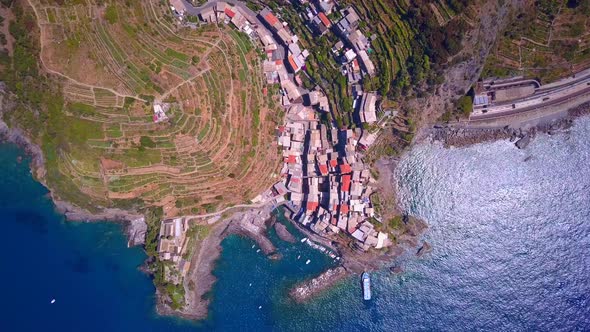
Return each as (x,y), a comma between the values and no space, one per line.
(521,136)
(200,279)
(251,223)
(283,233)
(311,288)
(135,227)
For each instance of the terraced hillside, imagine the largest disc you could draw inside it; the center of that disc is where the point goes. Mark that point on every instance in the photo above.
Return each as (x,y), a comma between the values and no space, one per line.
(113,61)
(547,40)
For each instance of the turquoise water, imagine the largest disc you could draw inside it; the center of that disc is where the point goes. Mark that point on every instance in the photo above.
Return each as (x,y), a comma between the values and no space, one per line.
(510,231)
(94,278)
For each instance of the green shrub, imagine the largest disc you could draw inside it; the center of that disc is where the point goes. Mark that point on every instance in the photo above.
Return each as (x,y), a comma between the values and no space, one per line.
(111,14)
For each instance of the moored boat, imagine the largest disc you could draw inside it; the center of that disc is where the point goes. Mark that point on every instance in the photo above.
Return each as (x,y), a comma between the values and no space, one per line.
(366,286)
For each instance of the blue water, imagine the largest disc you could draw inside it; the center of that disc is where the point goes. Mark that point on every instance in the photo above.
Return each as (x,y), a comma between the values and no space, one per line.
(95,280)
(510,231)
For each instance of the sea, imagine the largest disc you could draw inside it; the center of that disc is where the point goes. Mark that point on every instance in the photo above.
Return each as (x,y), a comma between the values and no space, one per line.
(509,229)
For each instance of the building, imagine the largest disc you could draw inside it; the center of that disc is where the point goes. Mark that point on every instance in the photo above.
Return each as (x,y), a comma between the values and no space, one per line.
(358,40)
(322,23)
(367,63)
(208,15)
(270,19)
(172,239)
(159,112)
(178,6)
(326,6)
(238,20)
(367,111)
(349,22)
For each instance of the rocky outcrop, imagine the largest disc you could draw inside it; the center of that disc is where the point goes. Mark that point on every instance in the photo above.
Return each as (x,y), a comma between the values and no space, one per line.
(18,137)
(424,249)
(464,136)
(136,230)
(253,224)
(283,233)
(315,286)
(523,142)
(396,269)
(135,225)
(463,69)
(522,137)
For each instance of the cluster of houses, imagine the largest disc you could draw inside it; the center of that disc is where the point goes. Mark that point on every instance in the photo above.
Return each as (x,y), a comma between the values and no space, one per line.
(172,245)
(353,48)
(327,183)
(351,51)
(324,182)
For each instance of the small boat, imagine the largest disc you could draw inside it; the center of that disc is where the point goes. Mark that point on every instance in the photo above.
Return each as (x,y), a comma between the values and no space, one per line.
(52,301)
(366,286)
(303,240)
(307,262)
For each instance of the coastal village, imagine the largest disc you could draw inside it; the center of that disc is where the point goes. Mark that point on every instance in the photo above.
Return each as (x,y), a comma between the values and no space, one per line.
(324,183)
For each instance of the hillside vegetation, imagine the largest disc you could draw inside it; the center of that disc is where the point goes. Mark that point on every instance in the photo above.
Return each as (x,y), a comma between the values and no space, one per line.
(547,40)
(413,44)
(89,104)
(414,40)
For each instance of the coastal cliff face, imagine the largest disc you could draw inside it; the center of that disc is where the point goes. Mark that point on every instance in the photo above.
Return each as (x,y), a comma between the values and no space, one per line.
(18,137)
(135,226)
(464,69)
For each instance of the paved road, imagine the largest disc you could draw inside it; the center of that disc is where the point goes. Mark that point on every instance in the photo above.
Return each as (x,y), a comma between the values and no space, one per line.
(542,98)
(250,14)
(551,102)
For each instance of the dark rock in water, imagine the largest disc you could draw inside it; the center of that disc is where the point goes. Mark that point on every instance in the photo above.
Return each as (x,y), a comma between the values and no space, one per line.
(283,233)
(426,248)
(513,137)
(396,269)
(523,142)
(275,256)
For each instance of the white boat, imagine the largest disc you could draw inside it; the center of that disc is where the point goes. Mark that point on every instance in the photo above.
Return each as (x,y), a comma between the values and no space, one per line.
(366,286)
(307,262)
(303,240)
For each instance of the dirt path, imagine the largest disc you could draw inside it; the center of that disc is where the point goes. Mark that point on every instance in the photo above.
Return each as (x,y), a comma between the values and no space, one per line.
(199,74)
(229,208)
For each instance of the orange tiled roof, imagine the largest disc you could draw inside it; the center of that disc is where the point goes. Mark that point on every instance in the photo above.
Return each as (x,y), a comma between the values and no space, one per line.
(325,19)
(343,209)
(312,206)
(271,19)
(346,182)
(345,168)
(229,12)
